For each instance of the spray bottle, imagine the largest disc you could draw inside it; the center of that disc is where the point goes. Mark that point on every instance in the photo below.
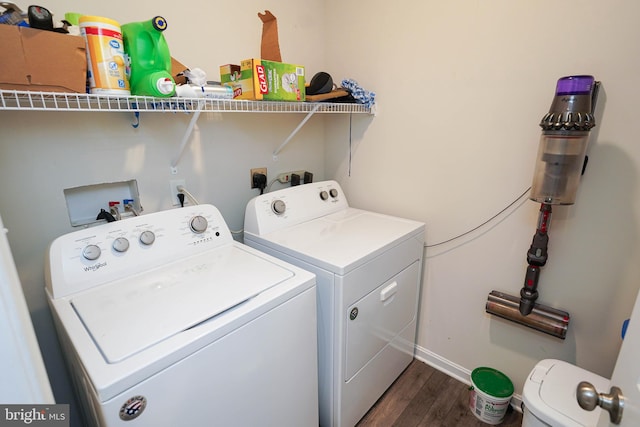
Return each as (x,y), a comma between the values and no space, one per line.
(148,54)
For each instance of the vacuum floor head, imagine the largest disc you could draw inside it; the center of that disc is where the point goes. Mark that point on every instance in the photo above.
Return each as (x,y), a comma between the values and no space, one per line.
(542,318)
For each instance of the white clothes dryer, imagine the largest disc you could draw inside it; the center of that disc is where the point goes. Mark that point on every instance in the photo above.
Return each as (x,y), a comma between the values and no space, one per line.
(165,320)
(368,269)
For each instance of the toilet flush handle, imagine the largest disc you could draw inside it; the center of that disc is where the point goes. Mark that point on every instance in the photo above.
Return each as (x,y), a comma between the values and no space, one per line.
(589,398)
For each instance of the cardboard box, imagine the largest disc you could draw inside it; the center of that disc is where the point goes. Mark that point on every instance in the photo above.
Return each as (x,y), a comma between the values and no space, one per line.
(177,70)
(259,79)
(41,60)
(230,76)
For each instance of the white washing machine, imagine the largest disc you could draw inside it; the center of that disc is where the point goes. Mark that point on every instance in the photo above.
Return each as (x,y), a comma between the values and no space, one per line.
(549,395)
(368,268)
(165,320)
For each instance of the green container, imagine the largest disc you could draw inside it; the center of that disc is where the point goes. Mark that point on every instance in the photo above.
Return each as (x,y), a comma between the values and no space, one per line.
(149,58)
(491,392)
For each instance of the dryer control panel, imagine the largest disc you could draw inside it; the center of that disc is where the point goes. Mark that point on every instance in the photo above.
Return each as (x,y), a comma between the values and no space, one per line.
(116,250)
(294,205)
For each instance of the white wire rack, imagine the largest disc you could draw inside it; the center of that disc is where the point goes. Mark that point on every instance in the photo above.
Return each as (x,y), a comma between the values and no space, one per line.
(57,101)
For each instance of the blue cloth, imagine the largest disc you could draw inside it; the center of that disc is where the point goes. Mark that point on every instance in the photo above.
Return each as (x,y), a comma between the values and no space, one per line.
(361,95)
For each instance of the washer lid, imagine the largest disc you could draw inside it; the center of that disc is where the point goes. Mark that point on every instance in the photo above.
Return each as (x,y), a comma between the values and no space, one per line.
(128,316)
(341,241)
(555,401)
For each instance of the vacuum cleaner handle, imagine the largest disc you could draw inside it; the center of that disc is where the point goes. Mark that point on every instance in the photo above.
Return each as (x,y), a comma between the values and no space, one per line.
(528,293)
(537,254)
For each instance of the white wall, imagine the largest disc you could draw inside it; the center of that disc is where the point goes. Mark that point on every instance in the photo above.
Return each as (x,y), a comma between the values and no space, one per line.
(43,153)
(461,88)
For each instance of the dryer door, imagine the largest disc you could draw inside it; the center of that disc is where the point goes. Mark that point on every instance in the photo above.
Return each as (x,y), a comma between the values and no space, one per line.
(379,317)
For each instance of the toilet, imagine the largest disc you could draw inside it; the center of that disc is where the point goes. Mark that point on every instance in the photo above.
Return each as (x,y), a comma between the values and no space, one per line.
(549,396)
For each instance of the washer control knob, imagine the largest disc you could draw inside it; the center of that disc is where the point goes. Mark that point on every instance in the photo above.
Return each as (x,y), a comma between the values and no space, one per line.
(198,224)
(324,195)
(91,252)
(333,192)
(147,237)
(121,244)
(278,207)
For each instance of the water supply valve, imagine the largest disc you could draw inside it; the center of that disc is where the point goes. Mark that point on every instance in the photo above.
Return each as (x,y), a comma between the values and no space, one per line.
(114,210)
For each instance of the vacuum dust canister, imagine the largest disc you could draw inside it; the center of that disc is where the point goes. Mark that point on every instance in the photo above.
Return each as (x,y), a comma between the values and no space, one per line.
(564,140)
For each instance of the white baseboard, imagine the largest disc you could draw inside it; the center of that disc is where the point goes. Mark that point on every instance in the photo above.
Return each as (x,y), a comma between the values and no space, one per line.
(455,371)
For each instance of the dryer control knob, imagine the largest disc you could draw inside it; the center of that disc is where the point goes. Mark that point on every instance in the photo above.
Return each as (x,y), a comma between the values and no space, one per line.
(198,224)
(147,237)
(121,244)
(278,207)
(91,252)
(324,195)
(333,192)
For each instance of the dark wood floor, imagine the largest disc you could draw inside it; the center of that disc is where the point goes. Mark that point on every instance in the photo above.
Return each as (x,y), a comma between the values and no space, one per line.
(424,396)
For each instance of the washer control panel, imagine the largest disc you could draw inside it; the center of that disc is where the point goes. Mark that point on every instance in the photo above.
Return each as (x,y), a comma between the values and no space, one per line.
(120,249)
(294,205)
(332,192)
(278,207)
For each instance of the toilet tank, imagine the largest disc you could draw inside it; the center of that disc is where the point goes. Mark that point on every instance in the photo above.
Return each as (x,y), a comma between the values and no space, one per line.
(549,395)
(530,420)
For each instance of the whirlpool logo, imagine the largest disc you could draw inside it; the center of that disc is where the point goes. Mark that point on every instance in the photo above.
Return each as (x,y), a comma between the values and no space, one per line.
(36,415)
(95,267)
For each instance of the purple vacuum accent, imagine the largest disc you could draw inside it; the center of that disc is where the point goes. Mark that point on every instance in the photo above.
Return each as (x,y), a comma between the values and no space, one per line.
(575,85)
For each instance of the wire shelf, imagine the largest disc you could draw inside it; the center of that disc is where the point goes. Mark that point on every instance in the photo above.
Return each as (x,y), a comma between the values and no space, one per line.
(58,101)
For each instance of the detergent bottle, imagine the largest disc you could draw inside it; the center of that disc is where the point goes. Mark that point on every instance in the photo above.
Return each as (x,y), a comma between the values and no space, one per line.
(149,58)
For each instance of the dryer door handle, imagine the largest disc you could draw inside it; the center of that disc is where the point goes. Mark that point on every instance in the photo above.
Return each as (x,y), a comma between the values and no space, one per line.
(388,291)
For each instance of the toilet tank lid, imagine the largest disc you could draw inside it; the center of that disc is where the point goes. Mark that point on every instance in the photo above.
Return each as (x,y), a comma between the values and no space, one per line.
(550,393)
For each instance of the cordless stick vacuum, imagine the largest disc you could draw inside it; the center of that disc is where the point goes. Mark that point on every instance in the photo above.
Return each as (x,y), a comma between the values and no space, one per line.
(561,161)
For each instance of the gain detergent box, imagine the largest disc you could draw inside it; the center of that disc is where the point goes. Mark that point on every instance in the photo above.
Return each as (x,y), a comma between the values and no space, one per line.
(259,79)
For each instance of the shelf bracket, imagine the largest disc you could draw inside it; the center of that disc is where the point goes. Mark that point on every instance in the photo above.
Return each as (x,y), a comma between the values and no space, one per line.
(136,122)
(185,139)
(295,131)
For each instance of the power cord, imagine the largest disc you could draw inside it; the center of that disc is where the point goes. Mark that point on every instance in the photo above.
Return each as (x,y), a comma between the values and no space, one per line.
(307,178)
(260,181)
(105,215)
(481,225)
(185,192)
(268,188)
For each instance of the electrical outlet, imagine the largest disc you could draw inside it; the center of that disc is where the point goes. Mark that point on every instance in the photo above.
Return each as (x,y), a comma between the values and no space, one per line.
(173,185)
(285,177)
(257,170)
(307,178)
